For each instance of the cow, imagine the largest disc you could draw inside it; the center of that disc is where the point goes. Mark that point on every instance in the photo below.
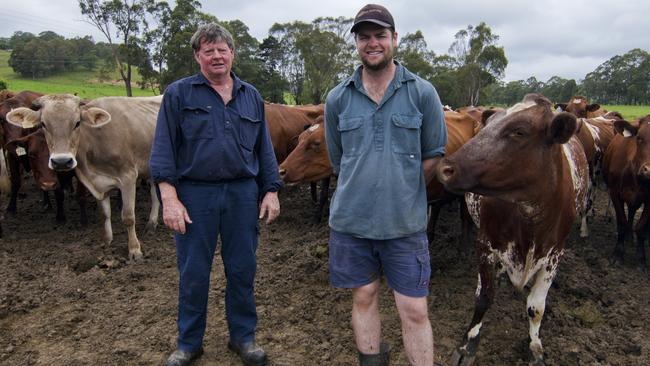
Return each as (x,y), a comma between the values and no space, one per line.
(626,170)
(525,178)
(309,162)
(46,178)
(580,107)
(15,158)
(108,141)
(286,123)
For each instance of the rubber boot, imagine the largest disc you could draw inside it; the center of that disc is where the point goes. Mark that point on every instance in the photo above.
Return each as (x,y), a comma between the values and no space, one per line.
(380,359)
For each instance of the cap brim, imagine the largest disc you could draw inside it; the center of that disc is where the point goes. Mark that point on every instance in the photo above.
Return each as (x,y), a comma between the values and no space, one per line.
(376,21)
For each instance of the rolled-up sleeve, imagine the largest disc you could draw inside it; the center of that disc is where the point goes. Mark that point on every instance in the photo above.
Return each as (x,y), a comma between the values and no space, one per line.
(269,176)
(434,130)
(332,134)
(162,162)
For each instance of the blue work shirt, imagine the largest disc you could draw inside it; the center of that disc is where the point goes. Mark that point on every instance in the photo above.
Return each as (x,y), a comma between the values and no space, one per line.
(377,152)
(199,138)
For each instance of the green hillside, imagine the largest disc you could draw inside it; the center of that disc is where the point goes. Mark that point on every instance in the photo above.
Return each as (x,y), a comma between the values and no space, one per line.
(629,112)
(85,83)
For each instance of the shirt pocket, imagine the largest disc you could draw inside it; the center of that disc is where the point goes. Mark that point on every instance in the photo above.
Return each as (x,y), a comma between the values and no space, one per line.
(351,135)
(406,134)
(196,123)
(249,129)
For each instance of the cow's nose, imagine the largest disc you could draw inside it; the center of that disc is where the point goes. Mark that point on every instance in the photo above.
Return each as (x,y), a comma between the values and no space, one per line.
(62,163)
(644,171)
(48,186)
(445,171)
(282,172)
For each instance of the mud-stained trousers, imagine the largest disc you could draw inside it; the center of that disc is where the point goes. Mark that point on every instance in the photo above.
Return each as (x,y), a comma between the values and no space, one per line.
(228,210)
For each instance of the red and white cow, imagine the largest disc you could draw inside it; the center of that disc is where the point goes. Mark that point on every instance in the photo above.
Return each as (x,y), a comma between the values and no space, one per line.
(526,176)
(108,141)
(580,107)
(626,169)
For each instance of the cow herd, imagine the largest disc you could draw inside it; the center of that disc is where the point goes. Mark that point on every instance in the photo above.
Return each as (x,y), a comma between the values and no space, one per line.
(523,176)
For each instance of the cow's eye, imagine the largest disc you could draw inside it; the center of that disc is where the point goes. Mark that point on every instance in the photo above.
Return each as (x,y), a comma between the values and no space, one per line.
(76,125)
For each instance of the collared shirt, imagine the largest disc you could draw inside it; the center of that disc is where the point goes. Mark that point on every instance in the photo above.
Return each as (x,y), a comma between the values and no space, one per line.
(377,152)
(199,138)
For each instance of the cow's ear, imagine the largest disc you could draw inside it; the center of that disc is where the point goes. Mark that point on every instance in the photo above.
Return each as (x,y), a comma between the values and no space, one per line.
(593,107)
(561,106)
(486,115)
(24,117)
(95,117)
(562,128)
(625,128)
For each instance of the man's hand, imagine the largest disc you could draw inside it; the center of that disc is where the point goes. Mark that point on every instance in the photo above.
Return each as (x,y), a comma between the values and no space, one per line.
(174,213)
(270,206)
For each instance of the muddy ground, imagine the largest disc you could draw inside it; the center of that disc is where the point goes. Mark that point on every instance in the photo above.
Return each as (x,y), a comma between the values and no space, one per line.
(67,299)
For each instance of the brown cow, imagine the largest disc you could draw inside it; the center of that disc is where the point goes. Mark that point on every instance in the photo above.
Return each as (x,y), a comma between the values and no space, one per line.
(15,158)
(46,178)
(108,140)
(526,178)
(579,106)
(286,123)
(626,169)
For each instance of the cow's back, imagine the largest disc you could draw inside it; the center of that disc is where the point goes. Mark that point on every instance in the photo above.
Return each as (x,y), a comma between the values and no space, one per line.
(127,139)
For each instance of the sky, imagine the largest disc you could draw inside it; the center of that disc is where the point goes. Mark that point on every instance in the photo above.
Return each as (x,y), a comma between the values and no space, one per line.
(541,38)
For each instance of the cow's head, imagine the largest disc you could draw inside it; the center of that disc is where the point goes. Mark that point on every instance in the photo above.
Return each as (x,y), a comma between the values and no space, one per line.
(62,117)
(511,154)
(35,146)
(308,162)
(579,106)
(641,134)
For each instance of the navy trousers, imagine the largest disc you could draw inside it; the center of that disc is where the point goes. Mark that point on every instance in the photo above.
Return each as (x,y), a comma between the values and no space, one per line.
(228,210)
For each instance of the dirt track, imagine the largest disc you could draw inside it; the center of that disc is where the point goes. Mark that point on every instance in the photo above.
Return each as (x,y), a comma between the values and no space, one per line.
(66,299)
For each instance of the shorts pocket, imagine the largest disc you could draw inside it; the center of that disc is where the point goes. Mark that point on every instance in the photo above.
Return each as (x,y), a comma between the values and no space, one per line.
(424,262)
(196,123)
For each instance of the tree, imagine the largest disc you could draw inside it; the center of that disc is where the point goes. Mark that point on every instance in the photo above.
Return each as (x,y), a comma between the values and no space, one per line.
(130,21)
(414,54)
(480,62)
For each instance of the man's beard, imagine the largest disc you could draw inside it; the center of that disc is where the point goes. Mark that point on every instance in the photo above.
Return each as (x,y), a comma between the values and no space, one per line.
(382,64)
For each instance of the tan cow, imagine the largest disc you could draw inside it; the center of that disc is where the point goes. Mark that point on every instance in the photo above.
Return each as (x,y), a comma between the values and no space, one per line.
(108,141)
(286,123)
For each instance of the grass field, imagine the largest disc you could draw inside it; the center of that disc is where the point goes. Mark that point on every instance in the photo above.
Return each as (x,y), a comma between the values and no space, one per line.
(629,112)
(84,83)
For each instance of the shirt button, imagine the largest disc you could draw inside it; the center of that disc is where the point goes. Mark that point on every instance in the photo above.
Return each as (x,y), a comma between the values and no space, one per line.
(412,156)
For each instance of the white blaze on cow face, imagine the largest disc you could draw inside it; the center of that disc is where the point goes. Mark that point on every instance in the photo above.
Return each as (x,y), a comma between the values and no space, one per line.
(577,101)
(520,107)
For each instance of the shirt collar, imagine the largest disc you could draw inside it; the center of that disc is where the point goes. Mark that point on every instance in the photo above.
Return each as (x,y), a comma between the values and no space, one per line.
(402,75)
(201,79)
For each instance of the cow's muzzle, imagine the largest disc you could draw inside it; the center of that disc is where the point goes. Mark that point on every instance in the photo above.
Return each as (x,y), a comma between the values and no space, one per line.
(62,162)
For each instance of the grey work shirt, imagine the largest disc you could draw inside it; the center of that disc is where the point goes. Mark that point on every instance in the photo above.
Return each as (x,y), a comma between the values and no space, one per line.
(377,153)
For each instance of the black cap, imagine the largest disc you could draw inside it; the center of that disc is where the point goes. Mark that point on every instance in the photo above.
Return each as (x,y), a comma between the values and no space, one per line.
(375,14)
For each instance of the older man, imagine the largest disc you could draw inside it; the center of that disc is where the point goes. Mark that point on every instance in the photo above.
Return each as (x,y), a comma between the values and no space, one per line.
(212,159)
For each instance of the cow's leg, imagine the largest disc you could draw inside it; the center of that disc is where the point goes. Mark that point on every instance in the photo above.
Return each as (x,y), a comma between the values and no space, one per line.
(155,208)
(464,355)
(466,223)
(105,204)
(322,200)
(59,196)
(14,175)
(47,204)
(80,196)
(535,306)
(621,228)
(313,188)
(434,213)
(128,218)
(641,229)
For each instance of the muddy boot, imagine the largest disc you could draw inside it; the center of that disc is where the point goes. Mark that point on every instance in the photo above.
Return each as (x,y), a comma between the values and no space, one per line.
(380,359)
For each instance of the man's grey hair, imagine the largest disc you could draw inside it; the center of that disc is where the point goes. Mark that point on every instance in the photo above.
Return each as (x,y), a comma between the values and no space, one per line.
(211,32)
